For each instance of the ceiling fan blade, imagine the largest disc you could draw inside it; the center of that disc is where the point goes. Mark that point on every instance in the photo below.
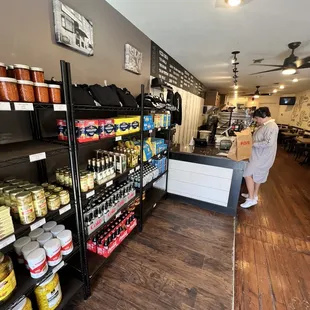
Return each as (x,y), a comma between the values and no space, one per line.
(263,65)
(266,94)
(273,70)
(248,95)
(305,66)
(302,63)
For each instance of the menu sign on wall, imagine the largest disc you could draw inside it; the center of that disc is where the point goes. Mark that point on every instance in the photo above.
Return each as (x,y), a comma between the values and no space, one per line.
(166,68)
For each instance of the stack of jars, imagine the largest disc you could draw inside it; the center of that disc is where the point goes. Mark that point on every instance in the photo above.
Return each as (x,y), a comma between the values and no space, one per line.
(26,84)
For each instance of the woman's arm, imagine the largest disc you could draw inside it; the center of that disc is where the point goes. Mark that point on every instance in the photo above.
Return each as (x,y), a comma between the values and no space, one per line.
(270,138)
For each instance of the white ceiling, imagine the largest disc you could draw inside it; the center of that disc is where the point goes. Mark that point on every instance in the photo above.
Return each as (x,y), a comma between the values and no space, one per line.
(201,37)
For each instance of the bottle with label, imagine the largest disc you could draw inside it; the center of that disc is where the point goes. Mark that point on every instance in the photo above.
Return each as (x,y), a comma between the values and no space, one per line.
(103,168)
(93,169)
(111,165)
(107,165)
(98,172)
(89,165)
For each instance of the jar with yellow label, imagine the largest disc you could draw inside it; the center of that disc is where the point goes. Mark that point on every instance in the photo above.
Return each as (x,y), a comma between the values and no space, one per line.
(84,182)
(7,278)
(53,202)
(25,208)
(64,198)
(14,208)
(24,304)
(39,201)
(48,293)
(6,194)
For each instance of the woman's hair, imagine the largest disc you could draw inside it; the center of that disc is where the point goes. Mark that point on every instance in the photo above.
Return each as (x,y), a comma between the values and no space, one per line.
(262,112)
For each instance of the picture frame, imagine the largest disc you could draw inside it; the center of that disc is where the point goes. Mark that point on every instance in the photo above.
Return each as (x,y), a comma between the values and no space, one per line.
(133,59)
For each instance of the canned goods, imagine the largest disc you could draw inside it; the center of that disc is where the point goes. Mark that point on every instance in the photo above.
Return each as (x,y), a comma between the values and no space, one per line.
(84,183)
(25,208)
(64,198)
(65,238)
(39,201)
(53,202)
(53,252)
(37,263)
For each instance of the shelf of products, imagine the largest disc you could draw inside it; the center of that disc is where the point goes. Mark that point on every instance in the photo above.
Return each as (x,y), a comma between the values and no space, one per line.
(31,106)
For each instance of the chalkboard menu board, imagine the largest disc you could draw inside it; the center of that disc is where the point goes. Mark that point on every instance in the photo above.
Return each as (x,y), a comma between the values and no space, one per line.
(166,68)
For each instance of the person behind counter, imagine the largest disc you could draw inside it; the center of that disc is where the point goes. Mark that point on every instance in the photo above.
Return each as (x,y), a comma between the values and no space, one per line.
(263,155)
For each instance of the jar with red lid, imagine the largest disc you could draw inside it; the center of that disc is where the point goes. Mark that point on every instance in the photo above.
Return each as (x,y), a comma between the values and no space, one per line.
(37,74)
(22,72)
(10,71)
(25,90)
(41,92)
(8,89)
(3,72)
(54,93)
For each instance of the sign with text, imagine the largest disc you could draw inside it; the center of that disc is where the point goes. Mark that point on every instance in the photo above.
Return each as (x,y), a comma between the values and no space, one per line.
(166,68)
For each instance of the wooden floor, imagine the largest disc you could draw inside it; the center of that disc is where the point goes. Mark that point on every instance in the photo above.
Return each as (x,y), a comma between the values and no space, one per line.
(273,242)
(182,260)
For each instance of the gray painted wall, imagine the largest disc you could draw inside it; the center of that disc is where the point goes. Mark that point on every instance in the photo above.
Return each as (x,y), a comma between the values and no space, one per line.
(28,38)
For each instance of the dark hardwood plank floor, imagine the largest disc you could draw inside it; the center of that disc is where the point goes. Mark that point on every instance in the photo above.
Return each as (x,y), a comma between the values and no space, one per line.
(273,242)
(181,260)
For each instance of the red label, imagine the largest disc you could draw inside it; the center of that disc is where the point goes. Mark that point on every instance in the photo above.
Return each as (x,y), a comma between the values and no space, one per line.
(40,268)
(245,142)
(96,224)
(55,257)
(67,246)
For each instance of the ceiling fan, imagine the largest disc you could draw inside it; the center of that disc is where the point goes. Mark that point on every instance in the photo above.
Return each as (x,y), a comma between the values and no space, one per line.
(291,64)
(257,93)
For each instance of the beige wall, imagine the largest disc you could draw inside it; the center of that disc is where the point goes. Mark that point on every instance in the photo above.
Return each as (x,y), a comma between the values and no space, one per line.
(27,37)
(301,111)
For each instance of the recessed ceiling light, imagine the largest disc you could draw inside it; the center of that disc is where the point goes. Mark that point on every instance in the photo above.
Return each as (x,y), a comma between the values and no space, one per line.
(275,91)
(295,80)
(281,86)
(234,2)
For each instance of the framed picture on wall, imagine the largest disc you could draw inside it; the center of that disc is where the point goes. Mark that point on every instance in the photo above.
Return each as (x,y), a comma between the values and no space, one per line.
(73,29)
(133,59)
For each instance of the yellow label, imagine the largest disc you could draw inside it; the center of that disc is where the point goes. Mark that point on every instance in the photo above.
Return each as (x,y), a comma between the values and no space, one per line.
(7,286)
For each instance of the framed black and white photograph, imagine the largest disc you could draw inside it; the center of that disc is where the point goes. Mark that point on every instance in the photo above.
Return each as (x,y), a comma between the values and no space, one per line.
(133,59)
(73,29)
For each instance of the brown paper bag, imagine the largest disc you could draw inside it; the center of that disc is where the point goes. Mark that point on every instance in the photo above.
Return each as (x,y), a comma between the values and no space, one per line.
(242,146)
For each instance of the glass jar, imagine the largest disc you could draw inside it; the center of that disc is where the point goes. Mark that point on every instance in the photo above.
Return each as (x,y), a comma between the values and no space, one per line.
(10,71)
(64,198)
(22,72)
(25,208)
(67,179)
(84,183)
(7,278)
(41,92)
(14,208)
(24,304)
(37,74)
(3,72)
(90,180)
(8,89)
(25,90)
(39,201)
(53,202)
(58,189)
(6,195)
(54,92)
(51,187)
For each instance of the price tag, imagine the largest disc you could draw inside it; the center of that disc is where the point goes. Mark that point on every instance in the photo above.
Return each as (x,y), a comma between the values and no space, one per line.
(60,107)
(37,224)
(131,171)
(5,106)
(36,157)
(137,168)
(23,106)
(109,183)
(91,193)
(64,209)
(150,131)
(118,138)
(7,241)
(59,266)
(159,129)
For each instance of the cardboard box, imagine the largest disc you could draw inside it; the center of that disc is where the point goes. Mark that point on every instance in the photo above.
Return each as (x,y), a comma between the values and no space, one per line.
(121,126)
(106,128)
(62,129)
(86,130)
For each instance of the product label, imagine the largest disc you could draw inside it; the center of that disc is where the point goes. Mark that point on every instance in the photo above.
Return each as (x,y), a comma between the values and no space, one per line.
(67,246)
(109,128)
(23,106)
(123,126)
(36,157)
(109,183)
(90,130)
(39,268)
(135,125)
(7,285)
(118,139)
(60,107)
(54,256)
(5,106)
(7,241)
(91,193)
(58,267)
(37,224)
(64,209)
(54,297)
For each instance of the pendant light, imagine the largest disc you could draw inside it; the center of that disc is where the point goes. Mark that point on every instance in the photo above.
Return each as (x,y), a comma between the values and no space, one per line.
(233,2)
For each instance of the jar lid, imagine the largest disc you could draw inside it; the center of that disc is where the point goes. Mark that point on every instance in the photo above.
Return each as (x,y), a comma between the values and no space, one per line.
(30,247)
(49,225)
(36,69)
(19,243)
(23,195)
(53,197)
(40,84)
(36,233)
(2,64)
(48,280)
(7,79)
(52,244)
(57,229)
(36,255)
(53,86)
(44,237)
(20,305)
(37,189)
(24,82)
(20,66)
(66,234)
